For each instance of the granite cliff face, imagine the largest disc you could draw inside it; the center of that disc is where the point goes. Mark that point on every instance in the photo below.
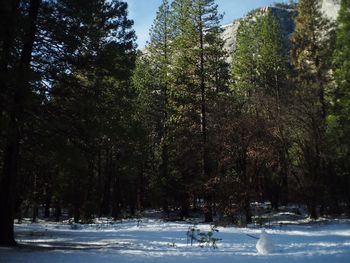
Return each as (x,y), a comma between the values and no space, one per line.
(285,16)
(331,8)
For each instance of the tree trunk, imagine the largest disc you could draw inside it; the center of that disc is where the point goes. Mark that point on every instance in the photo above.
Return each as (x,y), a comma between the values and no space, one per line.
(7,193)
(9,10)
(185,207)
(35,211)
(9,178)
(116,198)
(106,195)
(76,213)
(312,210)
(247,211)
(141,189)
(47,203)
(77,198)
(89,196)
(208,210)
(58,212)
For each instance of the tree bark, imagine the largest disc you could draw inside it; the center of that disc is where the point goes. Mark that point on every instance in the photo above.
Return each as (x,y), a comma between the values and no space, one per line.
(246,207)
(48,203)
(106,195)
(208,210)
(312,210)
(116,205)
(10,178)
(7,199)
(10,12)
(58,212)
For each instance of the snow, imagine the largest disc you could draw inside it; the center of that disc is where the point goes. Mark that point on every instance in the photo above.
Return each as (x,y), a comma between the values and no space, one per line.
(157,241)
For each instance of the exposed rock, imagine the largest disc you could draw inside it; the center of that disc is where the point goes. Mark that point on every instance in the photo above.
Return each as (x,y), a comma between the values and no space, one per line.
(331,8)
(284,15)
(229,35)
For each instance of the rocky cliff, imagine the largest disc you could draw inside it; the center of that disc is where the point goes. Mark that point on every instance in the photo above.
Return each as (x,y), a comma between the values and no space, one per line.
(331,8)
(285,17)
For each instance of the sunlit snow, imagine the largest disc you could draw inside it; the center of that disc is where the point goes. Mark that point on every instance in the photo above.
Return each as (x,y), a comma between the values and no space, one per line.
(159,241)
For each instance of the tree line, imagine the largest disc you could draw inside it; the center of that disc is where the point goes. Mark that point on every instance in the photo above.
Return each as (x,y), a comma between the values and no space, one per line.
(92,127)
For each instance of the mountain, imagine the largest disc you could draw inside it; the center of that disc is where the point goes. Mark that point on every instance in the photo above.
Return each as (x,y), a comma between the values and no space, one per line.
(285,16)
(331,8)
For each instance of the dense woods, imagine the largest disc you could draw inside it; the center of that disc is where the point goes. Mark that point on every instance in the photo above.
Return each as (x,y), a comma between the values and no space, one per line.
(91,127)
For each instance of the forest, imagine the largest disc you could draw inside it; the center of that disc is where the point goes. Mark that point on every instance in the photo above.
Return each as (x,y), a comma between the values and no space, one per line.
(92,126)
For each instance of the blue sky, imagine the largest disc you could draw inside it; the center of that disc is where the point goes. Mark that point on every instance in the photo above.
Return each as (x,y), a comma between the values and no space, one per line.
(143,13)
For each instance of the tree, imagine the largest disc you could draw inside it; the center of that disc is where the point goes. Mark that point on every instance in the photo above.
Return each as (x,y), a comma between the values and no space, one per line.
(272,67)
(310,58)
(92,99)
(152,80)
(184,124)
(16,107)
(338,120)
(70,84)
(243,68)
(259,89)
(211,79)
(10,13)
(197,72)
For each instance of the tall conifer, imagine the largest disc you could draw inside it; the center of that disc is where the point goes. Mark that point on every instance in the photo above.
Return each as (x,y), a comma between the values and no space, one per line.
(311,61)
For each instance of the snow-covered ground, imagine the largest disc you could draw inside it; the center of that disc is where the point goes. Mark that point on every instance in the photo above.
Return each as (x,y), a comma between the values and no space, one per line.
(158,241)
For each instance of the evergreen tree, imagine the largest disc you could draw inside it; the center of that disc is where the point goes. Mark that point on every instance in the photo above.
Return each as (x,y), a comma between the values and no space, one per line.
(198,70)
(72,86)
(274,93)
(184,126)
(211,65)
(18,92)
(244,64)
(98,90)
(259,72)
(311,62)
(339,122)
(271,59)
(152,81)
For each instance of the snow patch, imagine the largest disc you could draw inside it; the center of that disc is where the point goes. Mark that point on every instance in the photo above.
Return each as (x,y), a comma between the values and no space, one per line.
(156,241)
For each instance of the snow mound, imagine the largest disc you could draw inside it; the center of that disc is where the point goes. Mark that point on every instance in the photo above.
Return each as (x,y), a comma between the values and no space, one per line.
(264,245)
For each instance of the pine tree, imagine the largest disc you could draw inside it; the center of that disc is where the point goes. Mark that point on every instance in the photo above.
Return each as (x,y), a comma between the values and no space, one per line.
(211,65)
(152,80)
(184,123)
(245,88)
(341,68)
(272,61)
(18,104)
(311,48)
(77,86)
(198,71)
(339,122)
(259,72)
(311,62)
(244,64)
